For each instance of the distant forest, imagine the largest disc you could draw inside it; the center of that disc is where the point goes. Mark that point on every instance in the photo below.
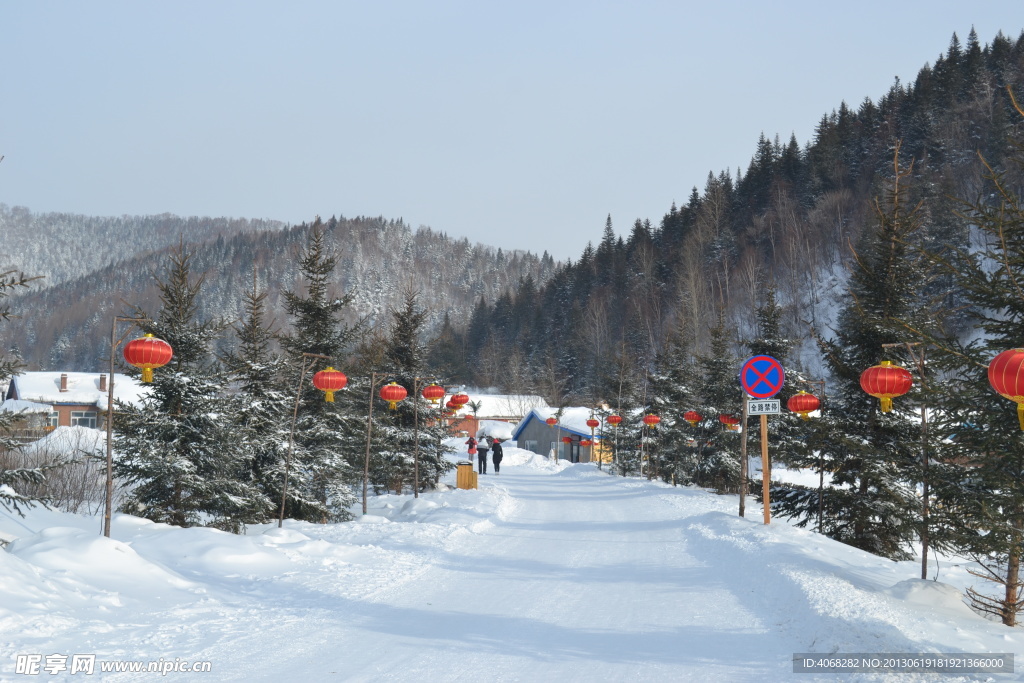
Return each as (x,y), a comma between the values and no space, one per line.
(791,221)
(570,331)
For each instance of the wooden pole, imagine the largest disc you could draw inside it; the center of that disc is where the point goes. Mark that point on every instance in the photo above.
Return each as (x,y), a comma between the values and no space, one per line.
(369,427)
(743,462)
(766,471)
(416,445)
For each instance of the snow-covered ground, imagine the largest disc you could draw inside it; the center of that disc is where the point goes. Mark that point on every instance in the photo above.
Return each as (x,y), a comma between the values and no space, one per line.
(548,572)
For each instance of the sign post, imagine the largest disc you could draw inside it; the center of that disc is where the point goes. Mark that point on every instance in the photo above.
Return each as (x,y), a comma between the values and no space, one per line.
(762,377)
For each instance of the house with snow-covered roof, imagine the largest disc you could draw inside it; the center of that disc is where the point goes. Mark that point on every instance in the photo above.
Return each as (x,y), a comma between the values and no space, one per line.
(563,439)
(73,398)
(490,408)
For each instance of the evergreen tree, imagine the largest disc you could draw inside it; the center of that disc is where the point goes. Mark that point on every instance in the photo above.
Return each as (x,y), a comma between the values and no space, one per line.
(263,408)
(979,465)
(671,387)
(874,456)
(412,428)
(715,449)
(12,477)
(178,447)
(330,438)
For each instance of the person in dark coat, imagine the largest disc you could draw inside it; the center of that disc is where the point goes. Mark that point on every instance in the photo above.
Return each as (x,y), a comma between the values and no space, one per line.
(472,448)
(481,454)
(496,455)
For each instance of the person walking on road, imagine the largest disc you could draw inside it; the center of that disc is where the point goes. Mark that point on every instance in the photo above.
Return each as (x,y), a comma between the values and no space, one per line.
(481,454)
(471,442)
(496,454)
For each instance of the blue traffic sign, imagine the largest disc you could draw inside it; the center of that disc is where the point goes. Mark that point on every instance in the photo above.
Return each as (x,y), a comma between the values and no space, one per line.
(762,376)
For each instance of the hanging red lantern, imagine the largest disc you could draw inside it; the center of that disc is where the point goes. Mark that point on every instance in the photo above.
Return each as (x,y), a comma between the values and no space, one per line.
(460,400)
(329,381)
(886,381)
(452,408)
(1006,375)
(147,353)
(393,393)
(593,424)
(613,420)
(651,420)
(803,404)
(551,421)
(433,393)
(566,439)
(730,421)
(586,443)
(693,417)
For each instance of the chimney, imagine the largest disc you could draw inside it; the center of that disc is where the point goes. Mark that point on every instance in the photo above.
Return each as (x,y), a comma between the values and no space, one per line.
(63,381)
(103,383)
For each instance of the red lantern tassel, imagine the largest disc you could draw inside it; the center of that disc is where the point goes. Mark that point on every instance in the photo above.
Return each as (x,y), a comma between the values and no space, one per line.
(1020,415)
(329,396)
(147,375)
(886,404)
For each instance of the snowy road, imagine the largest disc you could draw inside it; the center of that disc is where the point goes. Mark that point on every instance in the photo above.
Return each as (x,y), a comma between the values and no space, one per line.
(544,574)
(582,578)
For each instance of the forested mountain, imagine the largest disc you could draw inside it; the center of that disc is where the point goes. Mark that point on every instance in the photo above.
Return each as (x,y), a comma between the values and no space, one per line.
(789,220)
(97,268)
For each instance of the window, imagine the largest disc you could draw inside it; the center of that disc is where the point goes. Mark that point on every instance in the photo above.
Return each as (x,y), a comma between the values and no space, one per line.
(531,446)
(82,418)
(53,419)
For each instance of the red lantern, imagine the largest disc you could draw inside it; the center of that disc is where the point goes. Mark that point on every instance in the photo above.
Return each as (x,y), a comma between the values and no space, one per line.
(452,408)
(393,393)
(586,443)
(593,424)
(803,404)
(460,400)
(433,393)
(613,420)
(1006,375)
(329,381)
(886,381)
(552,421)
(730,421)
(147,353)
(566,439)
(651,420)
(693,417)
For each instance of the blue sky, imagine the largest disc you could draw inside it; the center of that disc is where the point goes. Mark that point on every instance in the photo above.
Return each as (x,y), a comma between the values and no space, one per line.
(521,125)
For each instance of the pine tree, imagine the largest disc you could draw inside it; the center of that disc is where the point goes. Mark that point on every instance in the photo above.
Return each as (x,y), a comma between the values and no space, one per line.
(874,456)
(716,450)
(671,387)
(979,444)
(178,447)
(263,408)
(410,436)
(11,477)
(329,441)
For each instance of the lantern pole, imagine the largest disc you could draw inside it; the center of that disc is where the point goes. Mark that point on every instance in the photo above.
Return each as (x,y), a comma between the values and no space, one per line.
(369,428)
(918,358)
(416,439)
(308,360)
(108,503)
(821,457)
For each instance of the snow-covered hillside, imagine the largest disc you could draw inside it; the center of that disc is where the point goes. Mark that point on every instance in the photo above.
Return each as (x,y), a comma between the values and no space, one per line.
(547,572)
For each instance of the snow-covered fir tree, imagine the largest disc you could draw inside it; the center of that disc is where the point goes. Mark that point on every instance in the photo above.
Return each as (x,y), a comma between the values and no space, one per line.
(874,456)
(977,469)
(11,475)
(407,440)
(326,462)
(261,404)
(671,386)
(178,448)
(716,449)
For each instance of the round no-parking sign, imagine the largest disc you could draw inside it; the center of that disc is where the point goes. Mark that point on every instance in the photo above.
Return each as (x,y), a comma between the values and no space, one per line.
(762,376)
